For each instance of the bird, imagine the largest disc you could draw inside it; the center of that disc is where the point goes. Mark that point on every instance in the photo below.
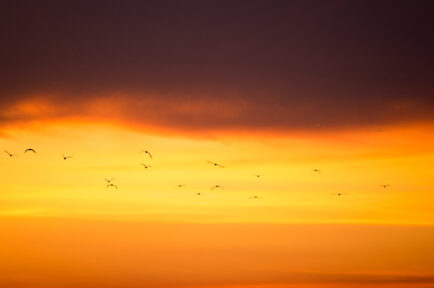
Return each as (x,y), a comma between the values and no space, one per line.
(65,157)
(10,154)
(146,152)
(216,187)
(384,185)
(316,171)
(255,197)
(198,194)
(215,164)
(146,166)
(339,194)
(258,175)
(181,185)
(109,180)
(112,185)
(30,150)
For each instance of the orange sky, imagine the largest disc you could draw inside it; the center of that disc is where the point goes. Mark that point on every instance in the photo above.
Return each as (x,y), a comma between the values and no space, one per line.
(62,226)
(277,88)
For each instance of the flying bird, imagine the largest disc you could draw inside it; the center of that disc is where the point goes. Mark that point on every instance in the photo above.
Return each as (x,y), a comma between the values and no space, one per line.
(339,194)
(258,175)
(384,185)
(109,180)
(10,154)
(215,164)
(65,157)
(255,197)
(181,185)
(112,185)
(146,166)
(30,150)
(217,187)
(198,194)
(316,171)
(146,152)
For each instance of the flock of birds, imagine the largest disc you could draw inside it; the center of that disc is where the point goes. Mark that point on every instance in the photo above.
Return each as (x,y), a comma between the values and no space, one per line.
(110,183)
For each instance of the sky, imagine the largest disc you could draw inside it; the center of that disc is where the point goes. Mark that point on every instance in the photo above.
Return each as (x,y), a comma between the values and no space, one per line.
(275,88)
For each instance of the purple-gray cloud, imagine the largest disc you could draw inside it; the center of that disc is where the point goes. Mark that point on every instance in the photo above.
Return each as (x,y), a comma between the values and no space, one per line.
(278,64)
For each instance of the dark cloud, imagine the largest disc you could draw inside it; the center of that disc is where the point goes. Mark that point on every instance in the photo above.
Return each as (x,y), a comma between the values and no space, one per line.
(272,64)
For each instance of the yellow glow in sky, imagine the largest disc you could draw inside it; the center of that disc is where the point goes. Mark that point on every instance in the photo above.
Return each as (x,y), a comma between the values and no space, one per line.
(351,162)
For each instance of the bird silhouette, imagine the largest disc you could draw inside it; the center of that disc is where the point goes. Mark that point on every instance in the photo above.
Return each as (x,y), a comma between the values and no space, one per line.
(30,150)
(217,187)
(215,164)
(339,194)
(146,152)
(146,166)
(65,157)
(198,194)
(112,185)
(316,171)
(181,185)
(384,185)
(255,197)
(109,180)
(10,154)
(258,175)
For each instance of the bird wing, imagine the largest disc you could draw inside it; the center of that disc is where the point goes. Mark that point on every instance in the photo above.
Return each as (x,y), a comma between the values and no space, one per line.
(149,154)
(8,153)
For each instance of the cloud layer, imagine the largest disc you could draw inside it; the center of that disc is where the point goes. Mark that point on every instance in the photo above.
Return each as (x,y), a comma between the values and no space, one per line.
(217,65)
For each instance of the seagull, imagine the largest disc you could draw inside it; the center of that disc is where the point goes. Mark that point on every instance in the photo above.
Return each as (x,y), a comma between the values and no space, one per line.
(146,152)
(109,180)
(65,157)
(215,164)
(258,175)
(198,194)
(316,171)
(181,185)
(384,185)
(339,194)
(30,150)
(216,187)
(146,166)
(255,197)
(112,185)
(10,154)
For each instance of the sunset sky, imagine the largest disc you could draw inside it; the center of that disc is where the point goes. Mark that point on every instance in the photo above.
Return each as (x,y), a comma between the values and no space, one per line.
(276,88)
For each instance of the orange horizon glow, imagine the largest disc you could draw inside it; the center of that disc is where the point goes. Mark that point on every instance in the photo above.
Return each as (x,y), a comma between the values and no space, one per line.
(47,199)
